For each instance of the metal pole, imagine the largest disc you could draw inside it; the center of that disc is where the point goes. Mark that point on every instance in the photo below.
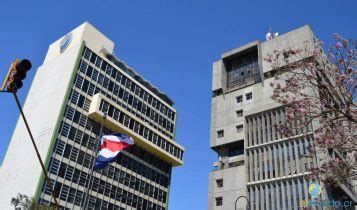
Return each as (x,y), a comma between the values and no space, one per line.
(91,172)
(37,152)
(242,196)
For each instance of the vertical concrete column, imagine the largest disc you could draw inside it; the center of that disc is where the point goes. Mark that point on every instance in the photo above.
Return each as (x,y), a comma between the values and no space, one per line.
(291,162)
(299,184)
(260,163)
(277,119)
(281,162)
(257,196)
(301,154)
(267,200)
(288,185)
(246,133)
(250,132)
(297,161)
(262,197)
(276,157)
(251,197)
(256,162)
(254,134)
(283,194)
(268,126)
(286,162)
(272,194)
(308,159)
(251,165)
(264,139)
(265,162)
(294,193)
(277,195)
(270,158)
(259,127)
(273,120)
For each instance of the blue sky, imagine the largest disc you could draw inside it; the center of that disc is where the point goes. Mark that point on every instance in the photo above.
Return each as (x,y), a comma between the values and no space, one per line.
(172,44)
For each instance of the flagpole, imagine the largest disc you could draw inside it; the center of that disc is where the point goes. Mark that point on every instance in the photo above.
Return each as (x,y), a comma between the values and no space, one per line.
(91,171)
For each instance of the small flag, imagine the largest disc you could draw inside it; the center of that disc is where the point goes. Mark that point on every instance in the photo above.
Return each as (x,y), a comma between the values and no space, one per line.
(110,146)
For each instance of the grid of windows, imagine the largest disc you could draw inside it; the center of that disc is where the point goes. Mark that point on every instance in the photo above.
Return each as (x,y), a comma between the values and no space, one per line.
(243,70)
(137,179)
(122,90)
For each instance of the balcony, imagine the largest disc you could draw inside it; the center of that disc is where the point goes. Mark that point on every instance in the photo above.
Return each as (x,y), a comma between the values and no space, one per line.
(121,120)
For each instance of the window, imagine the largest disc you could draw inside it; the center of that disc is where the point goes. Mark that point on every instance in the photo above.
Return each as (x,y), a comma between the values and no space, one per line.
(239,128)
(236,149)
(235,164)
(243,69)
(248,96)
(239,113)
(219,183)
(220,133)
(239,99)
(219,201)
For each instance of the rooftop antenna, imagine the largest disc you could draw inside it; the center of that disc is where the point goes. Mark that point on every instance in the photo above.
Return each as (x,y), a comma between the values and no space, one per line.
(270,35)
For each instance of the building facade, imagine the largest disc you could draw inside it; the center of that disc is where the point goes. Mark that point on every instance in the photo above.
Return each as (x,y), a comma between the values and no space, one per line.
(254,160)
(79,83)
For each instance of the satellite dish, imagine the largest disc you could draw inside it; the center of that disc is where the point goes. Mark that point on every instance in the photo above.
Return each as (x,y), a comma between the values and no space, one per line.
(268,36)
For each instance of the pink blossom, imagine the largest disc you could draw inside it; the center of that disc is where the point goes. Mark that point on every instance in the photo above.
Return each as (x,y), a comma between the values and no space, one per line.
(338,45)
(302,110)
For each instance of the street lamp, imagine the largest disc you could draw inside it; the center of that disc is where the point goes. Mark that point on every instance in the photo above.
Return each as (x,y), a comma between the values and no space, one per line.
(242,196)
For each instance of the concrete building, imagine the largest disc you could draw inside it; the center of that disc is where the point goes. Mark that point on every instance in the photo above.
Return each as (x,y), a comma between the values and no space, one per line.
(79,81)
(253,159)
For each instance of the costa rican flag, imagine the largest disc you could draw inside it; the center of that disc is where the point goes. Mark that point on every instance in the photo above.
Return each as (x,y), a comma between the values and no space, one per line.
(110,146)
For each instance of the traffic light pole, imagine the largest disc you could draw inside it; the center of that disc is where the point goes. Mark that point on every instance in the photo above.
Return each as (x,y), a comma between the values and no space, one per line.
(37,152)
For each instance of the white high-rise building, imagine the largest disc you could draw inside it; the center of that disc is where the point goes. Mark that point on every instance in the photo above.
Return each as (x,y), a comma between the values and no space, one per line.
(79,81)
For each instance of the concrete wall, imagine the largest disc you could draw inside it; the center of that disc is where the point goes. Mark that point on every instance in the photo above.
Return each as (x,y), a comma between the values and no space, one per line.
(293,39)
(224,107)
(234,185)
(224,117)
(20,172)
(93,38)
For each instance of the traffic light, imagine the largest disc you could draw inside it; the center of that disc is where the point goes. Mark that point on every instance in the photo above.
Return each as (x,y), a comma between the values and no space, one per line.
(15,75)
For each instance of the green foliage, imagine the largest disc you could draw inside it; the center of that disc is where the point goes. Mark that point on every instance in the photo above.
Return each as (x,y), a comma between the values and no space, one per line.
(23,202)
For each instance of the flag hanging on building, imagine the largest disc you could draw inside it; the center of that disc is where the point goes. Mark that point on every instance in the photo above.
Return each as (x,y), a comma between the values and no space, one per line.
(110,146)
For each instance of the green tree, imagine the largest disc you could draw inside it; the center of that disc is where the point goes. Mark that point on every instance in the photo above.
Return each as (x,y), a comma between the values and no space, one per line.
(23,202)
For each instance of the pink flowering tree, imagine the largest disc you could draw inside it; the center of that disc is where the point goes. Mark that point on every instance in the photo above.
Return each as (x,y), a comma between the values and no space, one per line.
(318,89)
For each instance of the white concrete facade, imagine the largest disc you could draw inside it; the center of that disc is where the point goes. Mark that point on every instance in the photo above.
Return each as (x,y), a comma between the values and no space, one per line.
(21,171)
